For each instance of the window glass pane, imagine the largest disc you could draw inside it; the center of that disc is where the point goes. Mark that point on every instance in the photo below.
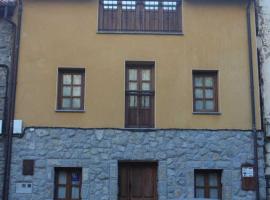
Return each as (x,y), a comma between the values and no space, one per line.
(213,179)
(62,178)
(209,105)
(77,79)
(66,91)
(198,93)
(199,193)
(132,86)
(110,4)
(199,105)
(61,192)
(76,91)
(214,193)
(128,5)
(75,193)
(145,86)
(145,101)
(151,5)
(209,82)
(133,101)
(66,103)
(209,93)
(132,74)
(67,79)
(146,75)
(169,5)
(75,178)
(199,180)
(76,103)
(198,81)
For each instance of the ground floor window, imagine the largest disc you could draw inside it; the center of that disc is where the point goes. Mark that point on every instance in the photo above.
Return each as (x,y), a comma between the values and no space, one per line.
(68,183)
(137,181)
(208,184)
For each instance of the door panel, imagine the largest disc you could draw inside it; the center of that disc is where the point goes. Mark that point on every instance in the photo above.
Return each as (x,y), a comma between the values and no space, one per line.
(137,181)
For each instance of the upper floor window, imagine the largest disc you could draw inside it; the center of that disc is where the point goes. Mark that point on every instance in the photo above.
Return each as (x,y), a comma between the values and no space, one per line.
(140,93)
(152,16)
(205,91)
(70,89)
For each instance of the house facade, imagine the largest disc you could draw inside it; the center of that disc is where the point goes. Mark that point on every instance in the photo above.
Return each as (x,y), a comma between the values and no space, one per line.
(138,100)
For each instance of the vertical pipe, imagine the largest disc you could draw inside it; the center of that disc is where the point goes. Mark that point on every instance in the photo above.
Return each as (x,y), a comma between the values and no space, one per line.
(252,98)
(11,102)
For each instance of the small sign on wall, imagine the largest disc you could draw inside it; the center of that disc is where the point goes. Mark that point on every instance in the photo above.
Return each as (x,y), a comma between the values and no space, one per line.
(248,177)
(24,188)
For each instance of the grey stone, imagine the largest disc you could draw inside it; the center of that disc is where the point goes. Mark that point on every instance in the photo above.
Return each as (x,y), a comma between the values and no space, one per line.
(177,152)
(6,43)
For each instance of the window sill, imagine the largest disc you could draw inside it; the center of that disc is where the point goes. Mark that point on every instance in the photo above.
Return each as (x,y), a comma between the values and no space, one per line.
(140,33)
(140,129)
(70,111)
(206,113)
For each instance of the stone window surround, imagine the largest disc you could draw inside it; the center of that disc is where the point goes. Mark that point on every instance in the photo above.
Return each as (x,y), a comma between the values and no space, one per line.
(226,179)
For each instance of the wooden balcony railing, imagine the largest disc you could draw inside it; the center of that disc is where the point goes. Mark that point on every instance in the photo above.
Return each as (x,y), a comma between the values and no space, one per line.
(137,16)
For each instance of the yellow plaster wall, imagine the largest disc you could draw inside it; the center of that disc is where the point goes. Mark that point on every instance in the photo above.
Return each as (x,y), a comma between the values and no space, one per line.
(63,33)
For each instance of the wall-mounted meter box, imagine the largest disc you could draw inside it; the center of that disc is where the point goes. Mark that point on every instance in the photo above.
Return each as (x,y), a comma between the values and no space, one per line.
(24,188)
(248,177)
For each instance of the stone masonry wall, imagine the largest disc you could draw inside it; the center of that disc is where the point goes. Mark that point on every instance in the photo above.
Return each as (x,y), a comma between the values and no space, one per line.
(263,10)
(98,151)
(6,43)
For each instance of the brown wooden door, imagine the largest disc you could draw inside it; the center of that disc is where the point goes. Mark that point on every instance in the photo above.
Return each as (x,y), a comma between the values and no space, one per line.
(138,181)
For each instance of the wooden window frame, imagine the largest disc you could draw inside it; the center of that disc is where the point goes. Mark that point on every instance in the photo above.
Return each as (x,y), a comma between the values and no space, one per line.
(72,71)
(163,20)
(140,93)
(68,185)
(207,187)
(206,73)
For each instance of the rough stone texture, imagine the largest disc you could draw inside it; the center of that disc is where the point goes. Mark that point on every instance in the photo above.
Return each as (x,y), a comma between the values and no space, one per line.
(98,151)
(263,8)
(6,38)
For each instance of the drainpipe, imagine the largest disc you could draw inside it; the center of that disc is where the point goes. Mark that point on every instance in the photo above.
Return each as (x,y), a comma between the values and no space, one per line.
(252,97)
(6,96)
(11,100)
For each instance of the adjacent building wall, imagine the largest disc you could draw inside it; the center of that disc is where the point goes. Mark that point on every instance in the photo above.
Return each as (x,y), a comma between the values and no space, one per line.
(6,43)
(264,52)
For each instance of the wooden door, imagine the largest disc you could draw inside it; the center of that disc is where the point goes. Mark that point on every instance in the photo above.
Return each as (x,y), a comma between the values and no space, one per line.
(137,181)
(140,95)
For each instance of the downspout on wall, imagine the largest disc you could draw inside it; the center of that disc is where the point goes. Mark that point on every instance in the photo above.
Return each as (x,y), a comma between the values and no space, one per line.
(252,97)
(11,94)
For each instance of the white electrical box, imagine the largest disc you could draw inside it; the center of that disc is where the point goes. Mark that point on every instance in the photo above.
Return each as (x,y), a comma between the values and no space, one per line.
(17,127)
(24,188)
(1,126)
(267,131)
